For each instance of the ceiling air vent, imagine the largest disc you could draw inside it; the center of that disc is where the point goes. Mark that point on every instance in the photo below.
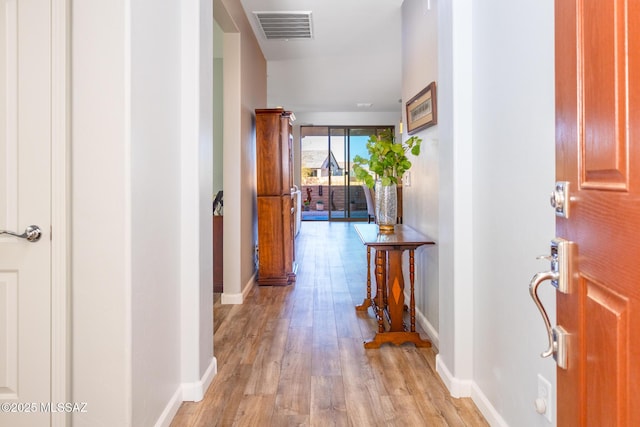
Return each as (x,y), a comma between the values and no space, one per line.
(284,25)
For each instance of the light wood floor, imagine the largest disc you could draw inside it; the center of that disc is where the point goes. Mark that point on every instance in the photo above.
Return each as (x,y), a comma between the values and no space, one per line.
(293,356)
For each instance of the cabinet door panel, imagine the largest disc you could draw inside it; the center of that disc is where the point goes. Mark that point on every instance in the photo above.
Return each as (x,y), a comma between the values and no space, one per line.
(269,154)
(270,235)
(286,139)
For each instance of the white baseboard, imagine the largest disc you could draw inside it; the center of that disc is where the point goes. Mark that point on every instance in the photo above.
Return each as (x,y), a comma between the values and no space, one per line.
(457,387)
(227,298)
(187,392)
(247,288)
(171,409)
(429,329)
(194,392)
(488,411)
(467,388)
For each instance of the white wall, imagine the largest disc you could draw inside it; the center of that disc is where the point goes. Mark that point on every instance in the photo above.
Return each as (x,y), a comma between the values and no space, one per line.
(496,168)
(513,138)
(232,247)
(196,266)
(347,118)
(101,215)
(218,107)
(455,119)
(421,201)
(155,206)
(141,209)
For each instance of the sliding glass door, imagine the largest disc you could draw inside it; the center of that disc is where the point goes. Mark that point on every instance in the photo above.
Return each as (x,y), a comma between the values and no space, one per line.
(329,190)
(314,172)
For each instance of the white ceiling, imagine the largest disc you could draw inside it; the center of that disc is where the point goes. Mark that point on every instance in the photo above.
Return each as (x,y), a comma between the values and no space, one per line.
(354,56)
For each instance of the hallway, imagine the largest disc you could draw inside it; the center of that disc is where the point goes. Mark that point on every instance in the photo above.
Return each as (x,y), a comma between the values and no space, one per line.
(293,355)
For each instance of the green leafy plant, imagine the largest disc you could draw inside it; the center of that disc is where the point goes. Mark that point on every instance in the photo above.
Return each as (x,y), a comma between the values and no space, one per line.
(387,159)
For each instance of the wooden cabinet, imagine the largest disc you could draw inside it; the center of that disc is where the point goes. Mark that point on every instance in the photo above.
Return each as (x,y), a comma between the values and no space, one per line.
(276,216)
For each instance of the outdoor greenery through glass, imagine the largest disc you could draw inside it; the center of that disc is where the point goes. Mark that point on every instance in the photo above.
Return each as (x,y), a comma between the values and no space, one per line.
(326,162)
(387,159)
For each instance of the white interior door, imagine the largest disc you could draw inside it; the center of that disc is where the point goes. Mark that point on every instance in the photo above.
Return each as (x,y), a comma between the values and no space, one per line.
(25,199)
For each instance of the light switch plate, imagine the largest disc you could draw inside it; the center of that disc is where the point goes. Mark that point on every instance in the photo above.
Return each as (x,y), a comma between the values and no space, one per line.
(406,179)
(546,393)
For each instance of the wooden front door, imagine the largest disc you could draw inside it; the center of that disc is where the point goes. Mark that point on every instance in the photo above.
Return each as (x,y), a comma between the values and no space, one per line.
(598,153)
(25,199)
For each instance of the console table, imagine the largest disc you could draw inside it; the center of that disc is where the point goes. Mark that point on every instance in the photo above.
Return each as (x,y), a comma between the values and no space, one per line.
(388,303)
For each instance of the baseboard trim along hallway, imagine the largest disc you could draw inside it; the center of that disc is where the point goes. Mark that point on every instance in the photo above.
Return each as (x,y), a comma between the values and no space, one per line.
(294,355)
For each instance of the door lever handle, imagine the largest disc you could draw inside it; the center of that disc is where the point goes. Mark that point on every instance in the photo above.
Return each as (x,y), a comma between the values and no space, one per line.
(537,279)
(560,275)
(32,233)
(557,335)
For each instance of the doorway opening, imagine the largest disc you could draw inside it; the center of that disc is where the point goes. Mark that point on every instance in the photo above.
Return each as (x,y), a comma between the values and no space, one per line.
(329,191)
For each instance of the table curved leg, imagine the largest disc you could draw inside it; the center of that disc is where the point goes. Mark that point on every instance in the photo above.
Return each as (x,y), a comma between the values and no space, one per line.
(380,284)
(367,301)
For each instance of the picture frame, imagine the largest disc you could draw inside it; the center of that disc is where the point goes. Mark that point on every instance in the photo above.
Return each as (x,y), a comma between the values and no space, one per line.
(422,109)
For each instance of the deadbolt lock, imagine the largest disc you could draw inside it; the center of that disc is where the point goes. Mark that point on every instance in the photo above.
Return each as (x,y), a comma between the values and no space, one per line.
(560,199)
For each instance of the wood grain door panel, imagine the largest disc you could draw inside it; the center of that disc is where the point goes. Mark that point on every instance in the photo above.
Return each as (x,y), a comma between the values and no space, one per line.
(269,153)
(597,122)
(270,229)
(604,87)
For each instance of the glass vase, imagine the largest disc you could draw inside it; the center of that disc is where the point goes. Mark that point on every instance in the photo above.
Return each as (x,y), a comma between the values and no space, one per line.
(386,207)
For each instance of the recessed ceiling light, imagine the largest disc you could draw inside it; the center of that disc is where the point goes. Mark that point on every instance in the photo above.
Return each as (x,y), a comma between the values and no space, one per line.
(364,105)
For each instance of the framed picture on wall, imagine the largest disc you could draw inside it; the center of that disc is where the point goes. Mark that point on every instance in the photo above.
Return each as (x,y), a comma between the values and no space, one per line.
(422,110)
